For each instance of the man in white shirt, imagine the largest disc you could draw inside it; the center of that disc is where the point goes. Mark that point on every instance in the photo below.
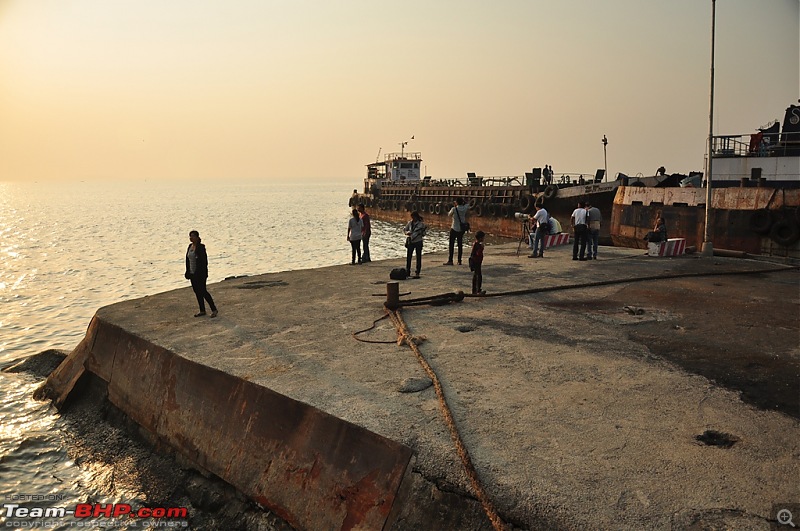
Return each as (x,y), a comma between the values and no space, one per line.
(457,228)
(542,219)
(581,229)
(593,218)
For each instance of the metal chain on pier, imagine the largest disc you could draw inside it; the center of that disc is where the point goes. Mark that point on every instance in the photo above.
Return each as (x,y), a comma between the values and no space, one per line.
(404,336)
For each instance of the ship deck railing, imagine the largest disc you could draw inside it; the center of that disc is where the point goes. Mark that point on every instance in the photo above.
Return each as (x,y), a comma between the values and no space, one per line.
(751,145)
(414,155)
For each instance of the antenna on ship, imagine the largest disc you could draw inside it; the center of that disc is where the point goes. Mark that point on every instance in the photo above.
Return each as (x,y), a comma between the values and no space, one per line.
(378,156)
(403,145)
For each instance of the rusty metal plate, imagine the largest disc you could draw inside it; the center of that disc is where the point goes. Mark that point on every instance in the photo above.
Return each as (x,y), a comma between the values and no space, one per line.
(314,470)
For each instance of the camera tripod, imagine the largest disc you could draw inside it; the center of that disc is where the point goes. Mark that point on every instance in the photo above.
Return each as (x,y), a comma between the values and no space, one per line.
(526,231)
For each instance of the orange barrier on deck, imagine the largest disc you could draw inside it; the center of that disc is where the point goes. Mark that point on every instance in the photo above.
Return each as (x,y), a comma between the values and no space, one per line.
(551,240)
(671,247)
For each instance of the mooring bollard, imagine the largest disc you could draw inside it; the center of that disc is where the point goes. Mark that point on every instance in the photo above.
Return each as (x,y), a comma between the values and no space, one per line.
(392,295)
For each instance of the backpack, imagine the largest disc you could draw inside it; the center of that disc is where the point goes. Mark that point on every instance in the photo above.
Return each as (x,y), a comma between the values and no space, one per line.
(398,273)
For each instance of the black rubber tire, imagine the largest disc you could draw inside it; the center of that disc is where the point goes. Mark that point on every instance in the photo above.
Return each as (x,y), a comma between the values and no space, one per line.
(761,221)
(478,210)
(472,202)
(539,201)
(494,209)
(414,206)
(438,208)
(506,211)
(550,192)
(785,232)
(526,203)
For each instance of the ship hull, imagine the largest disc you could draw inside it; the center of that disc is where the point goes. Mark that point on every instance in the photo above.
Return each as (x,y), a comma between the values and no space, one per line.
(758,221)
(492,208)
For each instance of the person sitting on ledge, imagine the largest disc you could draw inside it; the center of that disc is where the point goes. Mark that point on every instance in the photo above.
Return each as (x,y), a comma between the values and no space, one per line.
(659,232)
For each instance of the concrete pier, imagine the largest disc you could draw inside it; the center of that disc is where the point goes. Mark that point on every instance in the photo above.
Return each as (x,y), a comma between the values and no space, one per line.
(625,404)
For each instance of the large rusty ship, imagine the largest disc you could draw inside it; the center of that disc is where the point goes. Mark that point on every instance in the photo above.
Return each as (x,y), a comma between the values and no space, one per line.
(499,205)
(394,187)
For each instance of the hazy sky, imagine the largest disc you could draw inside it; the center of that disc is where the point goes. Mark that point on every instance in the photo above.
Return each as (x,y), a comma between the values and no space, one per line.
(266,89)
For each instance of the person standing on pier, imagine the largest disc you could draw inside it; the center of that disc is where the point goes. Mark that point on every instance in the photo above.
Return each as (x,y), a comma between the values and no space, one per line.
(542,229)
(197,273)
(415,232)
(594,217)
(457,228)
(581,230)
(366,232)
(475,263)
(354,230)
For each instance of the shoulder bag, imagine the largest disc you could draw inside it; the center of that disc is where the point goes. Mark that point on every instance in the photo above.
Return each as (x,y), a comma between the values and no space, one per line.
(464,224)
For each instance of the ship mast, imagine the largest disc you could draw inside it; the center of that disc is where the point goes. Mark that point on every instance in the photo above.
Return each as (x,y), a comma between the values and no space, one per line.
(403,145)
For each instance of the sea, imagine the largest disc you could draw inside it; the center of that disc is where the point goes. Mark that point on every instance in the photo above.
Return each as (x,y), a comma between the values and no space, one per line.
(69,248)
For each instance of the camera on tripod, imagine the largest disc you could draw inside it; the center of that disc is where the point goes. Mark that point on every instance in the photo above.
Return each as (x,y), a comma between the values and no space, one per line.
(521,216)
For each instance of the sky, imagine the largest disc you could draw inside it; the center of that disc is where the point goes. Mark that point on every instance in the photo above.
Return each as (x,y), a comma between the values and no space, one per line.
(302,89)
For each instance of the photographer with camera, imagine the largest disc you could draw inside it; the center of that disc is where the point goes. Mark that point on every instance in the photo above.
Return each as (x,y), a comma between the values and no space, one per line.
(542,219)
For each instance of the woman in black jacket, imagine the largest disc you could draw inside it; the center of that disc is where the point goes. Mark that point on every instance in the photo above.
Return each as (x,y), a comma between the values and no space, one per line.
(197,272)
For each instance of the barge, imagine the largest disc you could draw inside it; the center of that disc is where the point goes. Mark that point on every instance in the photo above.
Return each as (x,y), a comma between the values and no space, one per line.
(394,187)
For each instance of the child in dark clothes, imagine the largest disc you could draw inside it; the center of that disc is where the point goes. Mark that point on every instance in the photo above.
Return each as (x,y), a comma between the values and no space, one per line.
(475,261)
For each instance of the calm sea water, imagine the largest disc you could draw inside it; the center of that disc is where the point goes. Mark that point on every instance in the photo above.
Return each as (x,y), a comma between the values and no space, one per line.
(67,249)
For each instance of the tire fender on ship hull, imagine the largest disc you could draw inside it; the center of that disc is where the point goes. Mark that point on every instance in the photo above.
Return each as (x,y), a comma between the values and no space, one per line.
(785,232)
(761,221)
(526,203)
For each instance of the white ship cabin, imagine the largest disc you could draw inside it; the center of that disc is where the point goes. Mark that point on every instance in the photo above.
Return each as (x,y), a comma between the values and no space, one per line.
(771,155)
(395,168)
